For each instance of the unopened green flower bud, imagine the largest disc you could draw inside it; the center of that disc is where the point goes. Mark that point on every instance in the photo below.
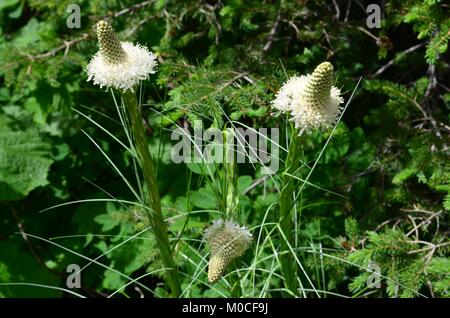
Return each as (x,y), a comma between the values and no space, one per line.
(120,65)
(110,46)
(318,87)
(228,241)
(216,267)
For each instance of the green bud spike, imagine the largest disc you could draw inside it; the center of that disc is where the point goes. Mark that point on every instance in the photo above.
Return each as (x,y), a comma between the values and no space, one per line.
(217,265)
(317,91)
(228,241)
(110,47)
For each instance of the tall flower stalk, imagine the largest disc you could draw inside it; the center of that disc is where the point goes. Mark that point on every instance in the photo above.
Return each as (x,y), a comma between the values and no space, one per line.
(230,193)
(292,165)
(148,170)
(227,241)
(313,103)
(122,65)
(226,238)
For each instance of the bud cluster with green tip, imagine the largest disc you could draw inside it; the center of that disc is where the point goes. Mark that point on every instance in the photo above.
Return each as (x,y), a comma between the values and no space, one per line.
(312,100)
(227,241)
(119,65)
(318,87)
(110,47)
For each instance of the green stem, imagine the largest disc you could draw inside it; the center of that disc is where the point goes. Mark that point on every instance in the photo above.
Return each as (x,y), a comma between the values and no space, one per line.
(148,170)
(286,204)
(231,195)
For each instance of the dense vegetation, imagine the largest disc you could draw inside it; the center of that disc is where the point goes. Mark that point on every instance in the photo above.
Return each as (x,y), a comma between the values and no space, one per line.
(378,198)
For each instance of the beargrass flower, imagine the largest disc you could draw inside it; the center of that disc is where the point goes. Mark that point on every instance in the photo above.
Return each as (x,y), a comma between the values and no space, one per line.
(228,241)
(120,65)
(312,100)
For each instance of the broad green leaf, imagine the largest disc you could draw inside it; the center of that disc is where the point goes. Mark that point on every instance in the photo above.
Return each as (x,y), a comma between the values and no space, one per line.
(243,183)
(24,163)
(204,199)
(7,3)
(20,266)
(180,224)
(16,13)
(201,168)
(112,280)
(28,34)
(108,221)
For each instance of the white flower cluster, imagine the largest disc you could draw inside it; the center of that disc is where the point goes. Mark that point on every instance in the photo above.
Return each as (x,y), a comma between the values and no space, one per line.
(228,241)
(120,65)
(311,100)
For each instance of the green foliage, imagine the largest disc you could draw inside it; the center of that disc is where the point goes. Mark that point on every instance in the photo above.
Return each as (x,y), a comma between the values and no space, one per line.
(210,94)
(389,251)
(439,270)
(430,20)
(24,163)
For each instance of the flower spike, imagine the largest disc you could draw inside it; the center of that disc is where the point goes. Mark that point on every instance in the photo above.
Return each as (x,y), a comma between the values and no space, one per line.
(110,47)
(119,65)
(228,241)
(312,100)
